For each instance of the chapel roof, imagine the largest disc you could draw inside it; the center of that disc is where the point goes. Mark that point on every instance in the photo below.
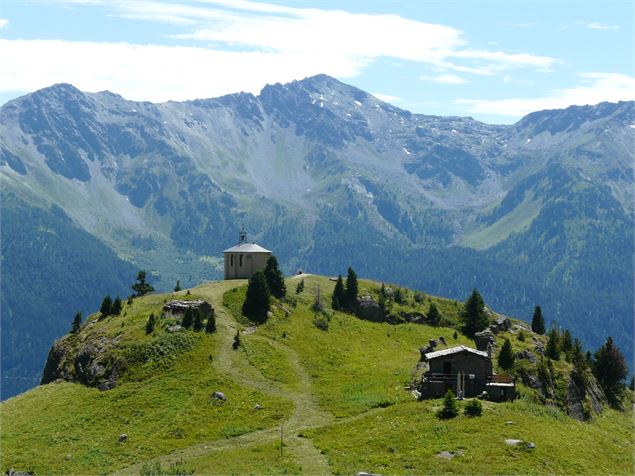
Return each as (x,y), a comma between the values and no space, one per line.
(455,350)
(246,248)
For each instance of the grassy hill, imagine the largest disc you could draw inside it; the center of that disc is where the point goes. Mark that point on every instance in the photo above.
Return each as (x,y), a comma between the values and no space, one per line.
(332,385)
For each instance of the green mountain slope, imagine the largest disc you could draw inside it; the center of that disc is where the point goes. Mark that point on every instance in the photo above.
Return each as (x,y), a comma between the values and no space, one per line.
(337,396)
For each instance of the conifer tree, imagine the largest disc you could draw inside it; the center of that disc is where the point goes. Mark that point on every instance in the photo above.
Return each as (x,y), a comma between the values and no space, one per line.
(450,406)
(236,342)
(473,315)
(197,323)
(300,287)
(338,299)
(211,323)
(538,322)
(566,344)
(115,310)
(141,287)
(257,303)
(150,324)
(553,345)
(433,315)
(610,369)
(352,288)
(506,356)
(275,280)
(106,306)
(177,287)
(77,323)
(188,318)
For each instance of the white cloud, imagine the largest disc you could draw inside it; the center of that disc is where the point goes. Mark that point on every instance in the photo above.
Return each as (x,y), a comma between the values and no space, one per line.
(387,98)
(243,45)
(3,22)
(445,79)
(594,25)
(593,88)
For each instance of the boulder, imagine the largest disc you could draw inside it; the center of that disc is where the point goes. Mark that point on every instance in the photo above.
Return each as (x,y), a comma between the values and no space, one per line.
(369,310)
(513,442)
(219,396)
(493,328)
(174,328)
(503,324)
(257,406)
(415,317)
(123,437)
(483,338)
(445,455)
(433,343)
(526,355)
(584,396)
(178,307)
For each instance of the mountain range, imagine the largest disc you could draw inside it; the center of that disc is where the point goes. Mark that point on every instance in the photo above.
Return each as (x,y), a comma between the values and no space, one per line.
(95,187)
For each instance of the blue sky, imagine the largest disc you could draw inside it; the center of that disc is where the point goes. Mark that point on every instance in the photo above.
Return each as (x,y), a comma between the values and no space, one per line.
(495,60)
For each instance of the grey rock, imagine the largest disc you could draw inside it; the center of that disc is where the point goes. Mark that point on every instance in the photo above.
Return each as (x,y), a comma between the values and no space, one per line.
(219,396)
(581,391)
(369,310)
(526,355)
(175,328)
(257,406)
(123,437)
(531,445)
(433,343)
(513,442)
(445,455)
(178,307)
(483,338)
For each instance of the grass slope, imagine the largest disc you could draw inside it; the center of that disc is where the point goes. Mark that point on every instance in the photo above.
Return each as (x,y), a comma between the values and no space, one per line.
(336,395)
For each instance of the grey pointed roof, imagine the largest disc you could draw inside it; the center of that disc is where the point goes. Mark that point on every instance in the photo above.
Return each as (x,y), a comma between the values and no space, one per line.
(454,350)
(246,248)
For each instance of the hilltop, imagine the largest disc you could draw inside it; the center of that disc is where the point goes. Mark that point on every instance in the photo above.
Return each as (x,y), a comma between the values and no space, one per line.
(538,212)
(338,388)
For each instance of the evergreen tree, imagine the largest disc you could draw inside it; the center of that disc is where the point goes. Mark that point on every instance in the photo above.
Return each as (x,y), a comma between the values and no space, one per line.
(256,303)
(553,345)
(433,315)
(538,322)
(577,355)
(150,324)
(610,369)
(188,318)
(339,295)
(211,323)
(77,323)
(566,344)
(177,288)
(399,296)
(352,288)
(141,287)
(300,287)
(473,408)
(106,306)
(236,342)
(473,315)
(450,406)
(506,356)
(275,280)
(197,324)
(117,306)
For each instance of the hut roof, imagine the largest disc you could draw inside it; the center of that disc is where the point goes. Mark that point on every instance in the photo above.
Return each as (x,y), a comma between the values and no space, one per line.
(246,248)
(455,350)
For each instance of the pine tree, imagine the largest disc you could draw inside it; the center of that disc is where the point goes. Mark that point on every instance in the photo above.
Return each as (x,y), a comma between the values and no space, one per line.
(450,406)
(150,324)
(553,345)
(538,322)
(473,408)
(257,303)
(566,344)
(188,318)
(197,324)
(352,288)
(106,306)
(610,369)
(339,295)
(506,356)
(115,310)
(77,323)
(473,315)
(300,287)
(177,288)
(399,296)
(141,287)
(275,280)
(236,342)
(211,323)
(433,315)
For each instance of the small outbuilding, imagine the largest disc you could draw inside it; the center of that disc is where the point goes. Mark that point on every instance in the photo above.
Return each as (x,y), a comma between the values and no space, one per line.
(244,259)
(467,372)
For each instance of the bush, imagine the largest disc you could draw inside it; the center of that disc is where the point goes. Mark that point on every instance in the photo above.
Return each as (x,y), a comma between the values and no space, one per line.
(473,408)
(321,323)
(450,406)
(150,324)
(522,336)
(300,287)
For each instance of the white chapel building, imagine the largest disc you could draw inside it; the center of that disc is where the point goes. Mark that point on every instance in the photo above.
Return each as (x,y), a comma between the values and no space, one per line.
(244,259)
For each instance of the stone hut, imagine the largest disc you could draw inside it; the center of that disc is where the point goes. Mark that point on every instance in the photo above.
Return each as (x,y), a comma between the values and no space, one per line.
(244,259)
(466,371)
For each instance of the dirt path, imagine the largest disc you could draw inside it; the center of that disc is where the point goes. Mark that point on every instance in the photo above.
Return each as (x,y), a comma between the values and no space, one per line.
(306,414)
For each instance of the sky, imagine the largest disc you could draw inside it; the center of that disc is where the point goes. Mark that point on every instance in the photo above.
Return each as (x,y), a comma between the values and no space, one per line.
(492,60)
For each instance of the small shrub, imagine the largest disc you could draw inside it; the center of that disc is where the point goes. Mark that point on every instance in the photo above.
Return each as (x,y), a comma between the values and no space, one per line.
(455,335)
(522,336)
(321,323)
(473,408)
(236,342)
(300,287)
(150,324)
(450,406)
